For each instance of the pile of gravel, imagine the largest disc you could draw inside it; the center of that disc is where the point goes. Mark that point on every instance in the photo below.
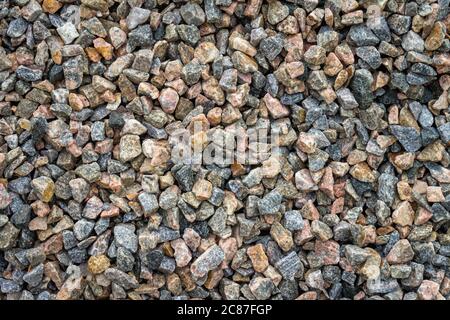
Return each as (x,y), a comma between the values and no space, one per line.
(116,118)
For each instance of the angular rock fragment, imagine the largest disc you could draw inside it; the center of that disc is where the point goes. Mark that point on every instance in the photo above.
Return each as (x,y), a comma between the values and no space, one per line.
(224,149)
(207,261)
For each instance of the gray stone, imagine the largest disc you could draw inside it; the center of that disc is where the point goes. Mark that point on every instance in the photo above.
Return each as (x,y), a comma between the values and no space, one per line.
(68,32)
(293,220)
(408,137)
(207,261)
(380,27)
(361,35)
(8,236)
(355,255)
(149,202)
(277,12)
(361,87)
(213,13)
(399,24)
(28,74)
(270,203)
(217,196)
(370,55)
(167,265)
(83,229)
(154,259)
(185,178)
(346,99)
(328,39)
(124,236)
(16,28)
(142,36)
(130,147)
(125,260)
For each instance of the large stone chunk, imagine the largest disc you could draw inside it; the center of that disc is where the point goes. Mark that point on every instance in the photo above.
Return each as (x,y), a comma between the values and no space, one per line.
(130,147)
(121,278)
(44,187)
(289,266)
(89,172)
(408,137)
(8,236)
(192,13)
(276,109)
(258,257)
(124,236)
(361,86)
(401,252)
(282,236)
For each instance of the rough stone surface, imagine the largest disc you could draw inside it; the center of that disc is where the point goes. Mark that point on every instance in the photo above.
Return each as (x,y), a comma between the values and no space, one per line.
(224,149)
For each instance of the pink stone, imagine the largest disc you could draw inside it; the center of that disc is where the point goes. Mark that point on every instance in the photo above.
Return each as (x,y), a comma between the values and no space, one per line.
(294,47)
(74,149)
(202,189)
(368,235)
(105,146)
(306,143)
(359,296)
(53,245)
(252,8)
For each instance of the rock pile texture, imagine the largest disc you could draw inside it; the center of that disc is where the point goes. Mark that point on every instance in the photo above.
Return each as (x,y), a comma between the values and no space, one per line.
(348,199)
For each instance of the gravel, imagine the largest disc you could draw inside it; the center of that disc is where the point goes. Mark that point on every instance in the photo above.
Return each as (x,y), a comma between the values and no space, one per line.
(223,149)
